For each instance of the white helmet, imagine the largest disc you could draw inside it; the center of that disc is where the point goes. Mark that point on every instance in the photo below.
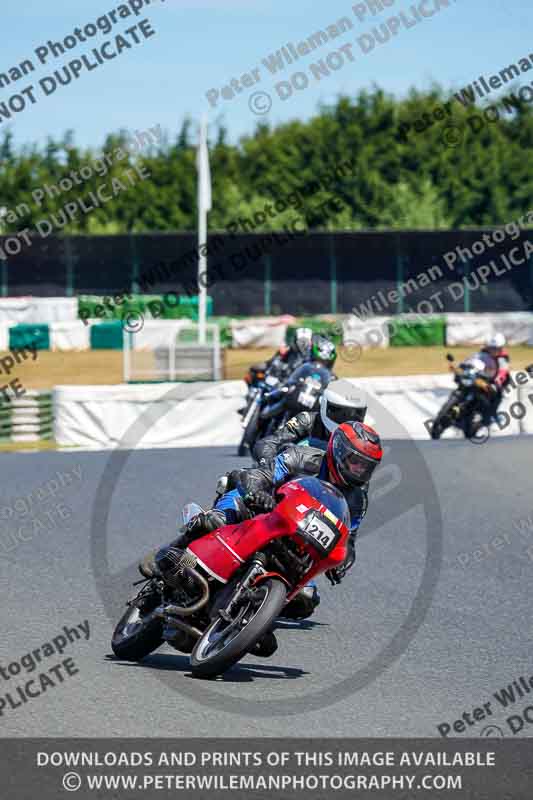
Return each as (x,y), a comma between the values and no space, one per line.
(342,402)
(497,341)
(302,341)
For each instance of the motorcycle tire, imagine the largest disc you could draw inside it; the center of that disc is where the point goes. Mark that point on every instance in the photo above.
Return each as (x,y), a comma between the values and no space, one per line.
(249,435)
(212,657)
(473,425)
(145,637)
(442,420)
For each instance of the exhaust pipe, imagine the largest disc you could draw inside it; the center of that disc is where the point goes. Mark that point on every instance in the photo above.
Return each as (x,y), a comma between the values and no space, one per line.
(188,611)
(183,626)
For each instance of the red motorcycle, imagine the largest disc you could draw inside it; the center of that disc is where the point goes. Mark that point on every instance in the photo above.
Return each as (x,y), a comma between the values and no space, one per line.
(218,598)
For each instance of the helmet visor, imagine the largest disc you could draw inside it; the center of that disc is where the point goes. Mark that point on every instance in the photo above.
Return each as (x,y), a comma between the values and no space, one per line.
(353,467)
(325,351)
(339,414)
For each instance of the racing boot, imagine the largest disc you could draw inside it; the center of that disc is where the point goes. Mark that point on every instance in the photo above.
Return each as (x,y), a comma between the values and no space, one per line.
(266,646)
(303,605)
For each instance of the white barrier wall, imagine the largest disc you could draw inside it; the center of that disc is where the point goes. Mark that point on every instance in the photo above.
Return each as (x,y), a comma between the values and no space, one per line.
(148,415)
(464,329)
(373,333)
(14,310)
(261,332)
(73,335)
(201,415)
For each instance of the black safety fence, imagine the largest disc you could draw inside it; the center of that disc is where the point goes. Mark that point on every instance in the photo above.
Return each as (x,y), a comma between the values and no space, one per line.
(298,273)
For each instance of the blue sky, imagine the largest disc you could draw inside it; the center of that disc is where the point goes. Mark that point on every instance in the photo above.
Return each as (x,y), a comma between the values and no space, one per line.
(202,44)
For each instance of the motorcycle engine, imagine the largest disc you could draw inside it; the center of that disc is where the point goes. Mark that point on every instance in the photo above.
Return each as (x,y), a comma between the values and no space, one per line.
(171,562)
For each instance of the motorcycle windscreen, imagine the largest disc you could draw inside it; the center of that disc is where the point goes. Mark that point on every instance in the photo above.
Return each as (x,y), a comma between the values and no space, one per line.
(306,386)
(190,511)
(323,518)
(483,364)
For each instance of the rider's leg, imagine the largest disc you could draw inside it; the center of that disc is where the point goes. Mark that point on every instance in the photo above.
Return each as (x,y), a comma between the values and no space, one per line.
(304,604)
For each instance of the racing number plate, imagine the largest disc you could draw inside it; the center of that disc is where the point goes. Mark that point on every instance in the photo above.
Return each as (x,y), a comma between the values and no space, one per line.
(322,533)
(306,400)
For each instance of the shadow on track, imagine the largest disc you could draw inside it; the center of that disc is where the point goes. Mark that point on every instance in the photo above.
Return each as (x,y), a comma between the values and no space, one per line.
(240,673)
(286,624)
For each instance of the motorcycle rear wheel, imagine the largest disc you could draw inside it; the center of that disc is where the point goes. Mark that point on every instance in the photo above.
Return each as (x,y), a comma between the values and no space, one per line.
(225,643)
(443,419)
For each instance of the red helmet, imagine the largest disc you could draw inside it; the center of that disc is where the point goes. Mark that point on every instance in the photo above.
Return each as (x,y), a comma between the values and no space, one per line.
(354,451)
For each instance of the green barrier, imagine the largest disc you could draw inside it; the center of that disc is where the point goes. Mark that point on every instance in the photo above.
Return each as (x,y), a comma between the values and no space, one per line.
(106,336)
(24,335)
(93,307)
(418,334)
(224,327)
(189,305)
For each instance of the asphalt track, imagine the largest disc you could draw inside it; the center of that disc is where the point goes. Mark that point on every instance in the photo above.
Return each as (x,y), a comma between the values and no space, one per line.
(474,638)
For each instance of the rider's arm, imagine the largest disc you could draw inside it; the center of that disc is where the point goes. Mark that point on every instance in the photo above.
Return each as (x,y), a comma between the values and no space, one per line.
(232,506)
(503,375)
(256,486)
(296,429)
(357,499)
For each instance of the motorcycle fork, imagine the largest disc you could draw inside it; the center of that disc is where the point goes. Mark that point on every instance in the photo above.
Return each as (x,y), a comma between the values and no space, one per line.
(243,588)
(250,411)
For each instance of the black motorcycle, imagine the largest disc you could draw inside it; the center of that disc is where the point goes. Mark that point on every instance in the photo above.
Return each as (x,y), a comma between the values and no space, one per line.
(302,392)
(261,380)
(467,406)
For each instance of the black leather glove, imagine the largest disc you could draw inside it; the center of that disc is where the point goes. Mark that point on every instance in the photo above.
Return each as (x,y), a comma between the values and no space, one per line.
(336,574)
(258,501)
(333,576)
(202,523)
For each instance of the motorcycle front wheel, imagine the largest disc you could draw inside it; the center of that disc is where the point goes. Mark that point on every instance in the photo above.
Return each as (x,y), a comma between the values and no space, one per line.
(443,419)
(227,640)
(136,635)
(250,434)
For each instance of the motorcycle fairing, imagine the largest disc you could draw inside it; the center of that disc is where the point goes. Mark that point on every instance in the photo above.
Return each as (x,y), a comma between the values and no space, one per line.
(226,549)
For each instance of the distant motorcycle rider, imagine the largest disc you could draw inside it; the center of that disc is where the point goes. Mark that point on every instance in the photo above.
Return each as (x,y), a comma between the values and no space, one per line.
(297,352)
(283,362)
(340,402)
(498,376)
(323,351)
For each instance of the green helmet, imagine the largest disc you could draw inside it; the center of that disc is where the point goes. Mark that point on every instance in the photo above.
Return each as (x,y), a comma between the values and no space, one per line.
(323,350)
